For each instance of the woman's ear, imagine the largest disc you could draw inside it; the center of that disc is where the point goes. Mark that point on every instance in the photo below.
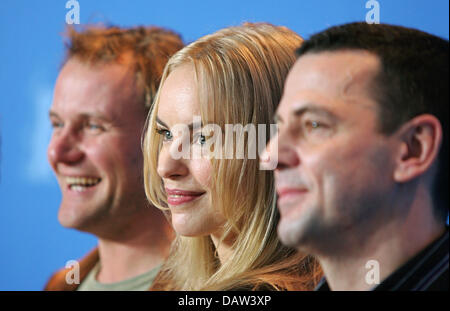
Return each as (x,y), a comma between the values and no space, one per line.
(420,140)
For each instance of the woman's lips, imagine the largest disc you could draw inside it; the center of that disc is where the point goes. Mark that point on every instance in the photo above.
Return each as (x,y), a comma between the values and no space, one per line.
(178,197)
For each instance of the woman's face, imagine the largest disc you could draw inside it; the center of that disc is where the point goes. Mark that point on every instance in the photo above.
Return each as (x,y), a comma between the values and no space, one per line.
(186,181)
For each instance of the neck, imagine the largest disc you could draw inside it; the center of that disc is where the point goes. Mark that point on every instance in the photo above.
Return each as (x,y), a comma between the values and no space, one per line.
(382,250)
(223,248)
(145,246)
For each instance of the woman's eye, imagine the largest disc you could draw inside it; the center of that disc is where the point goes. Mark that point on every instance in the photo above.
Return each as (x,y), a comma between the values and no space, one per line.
(200,139)
(167,135)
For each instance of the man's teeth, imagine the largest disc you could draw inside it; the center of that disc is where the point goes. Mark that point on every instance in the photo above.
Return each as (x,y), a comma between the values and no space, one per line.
(78,188)
(80,183)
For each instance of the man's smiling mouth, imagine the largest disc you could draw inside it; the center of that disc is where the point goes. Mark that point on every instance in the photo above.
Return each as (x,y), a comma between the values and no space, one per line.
(80,184)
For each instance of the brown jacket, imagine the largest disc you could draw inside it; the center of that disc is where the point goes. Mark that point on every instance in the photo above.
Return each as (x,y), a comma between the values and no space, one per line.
(57,281)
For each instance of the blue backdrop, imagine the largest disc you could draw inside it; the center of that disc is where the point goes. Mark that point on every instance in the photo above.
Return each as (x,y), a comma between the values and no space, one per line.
(32,243)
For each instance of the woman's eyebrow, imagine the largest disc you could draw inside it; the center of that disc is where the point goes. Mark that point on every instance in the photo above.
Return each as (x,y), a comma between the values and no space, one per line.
(196,125)
(191,126)
(158,120)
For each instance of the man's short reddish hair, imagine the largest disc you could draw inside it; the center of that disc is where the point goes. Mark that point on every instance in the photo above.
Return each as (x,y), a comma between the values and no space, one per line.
(145,49)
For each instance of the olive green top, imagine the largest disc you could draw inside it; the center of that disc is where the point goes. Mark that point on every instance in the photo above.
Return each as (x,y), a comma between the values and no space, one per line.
(138,283)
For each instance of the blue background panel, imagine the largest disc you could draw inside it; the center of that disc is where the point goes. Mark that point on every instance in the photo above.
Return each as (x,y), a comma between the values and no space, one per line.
(32,243)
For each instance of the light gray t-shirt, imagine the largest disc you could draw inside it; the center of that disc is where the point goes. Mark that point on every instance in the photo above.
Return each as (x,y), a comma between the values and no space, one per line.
(138,283)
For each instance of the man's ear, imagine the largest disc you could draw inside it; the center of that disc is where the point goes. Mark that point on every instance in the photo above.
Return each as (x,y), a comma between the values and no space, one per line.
(420,140)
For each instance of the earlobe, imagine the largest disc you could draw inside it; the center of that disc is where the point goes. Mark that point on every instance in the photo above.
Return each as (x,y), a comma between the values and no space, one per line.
(400,171)
(420,140)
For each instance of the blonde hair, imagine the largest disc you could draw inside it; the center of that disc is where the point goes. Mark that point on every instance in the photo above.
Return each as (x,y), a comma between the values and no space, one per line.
(240,73)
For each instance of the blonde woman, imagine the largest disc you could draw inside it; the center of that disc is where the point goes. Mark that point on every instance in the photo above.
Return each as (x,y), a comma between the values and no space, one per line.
(223,209)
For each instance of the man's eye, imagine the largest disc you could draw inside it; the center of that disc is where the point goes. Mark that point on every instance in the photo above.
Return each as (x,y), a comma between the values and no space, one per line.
(314,125)
(94,127)
(167,135)
(56,124)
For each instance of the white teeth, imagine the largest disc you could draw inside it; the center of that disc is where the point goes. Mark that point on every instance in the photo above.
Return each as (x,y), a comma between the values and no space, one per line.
(175,196)
(82,181)
(78,188)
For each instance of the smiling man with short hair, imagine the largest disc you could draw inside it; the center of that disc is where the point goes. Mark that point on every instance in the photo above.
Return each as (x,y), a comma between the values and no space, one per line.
(101,100)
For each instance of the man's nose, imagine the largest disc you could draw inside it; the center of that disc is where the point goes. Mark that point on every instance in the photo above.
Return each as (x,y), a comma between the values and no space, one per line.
(281,152)
(64,148)
(269,157)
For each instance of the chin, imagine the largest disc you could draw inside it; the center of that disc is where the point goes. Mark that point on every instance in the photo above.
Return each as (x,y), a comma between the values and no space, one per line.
(72,217)
(190,231)
(187,232)
(286,238)
(291,232)
(68,220)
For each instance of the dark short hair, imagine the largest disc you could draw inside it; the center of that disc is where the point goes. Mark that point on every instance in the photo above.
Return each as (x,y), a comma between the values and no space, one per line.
(413,80)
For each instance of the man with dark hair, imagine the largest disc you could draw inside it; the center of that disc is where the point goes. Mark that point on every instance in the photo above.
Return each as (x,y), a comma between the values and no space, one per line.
(362,152)
(101,100)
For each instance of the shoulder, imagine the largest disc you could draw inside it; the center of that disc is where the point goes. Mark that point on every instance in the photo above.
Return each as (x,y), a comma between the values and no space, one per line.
(57,282)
